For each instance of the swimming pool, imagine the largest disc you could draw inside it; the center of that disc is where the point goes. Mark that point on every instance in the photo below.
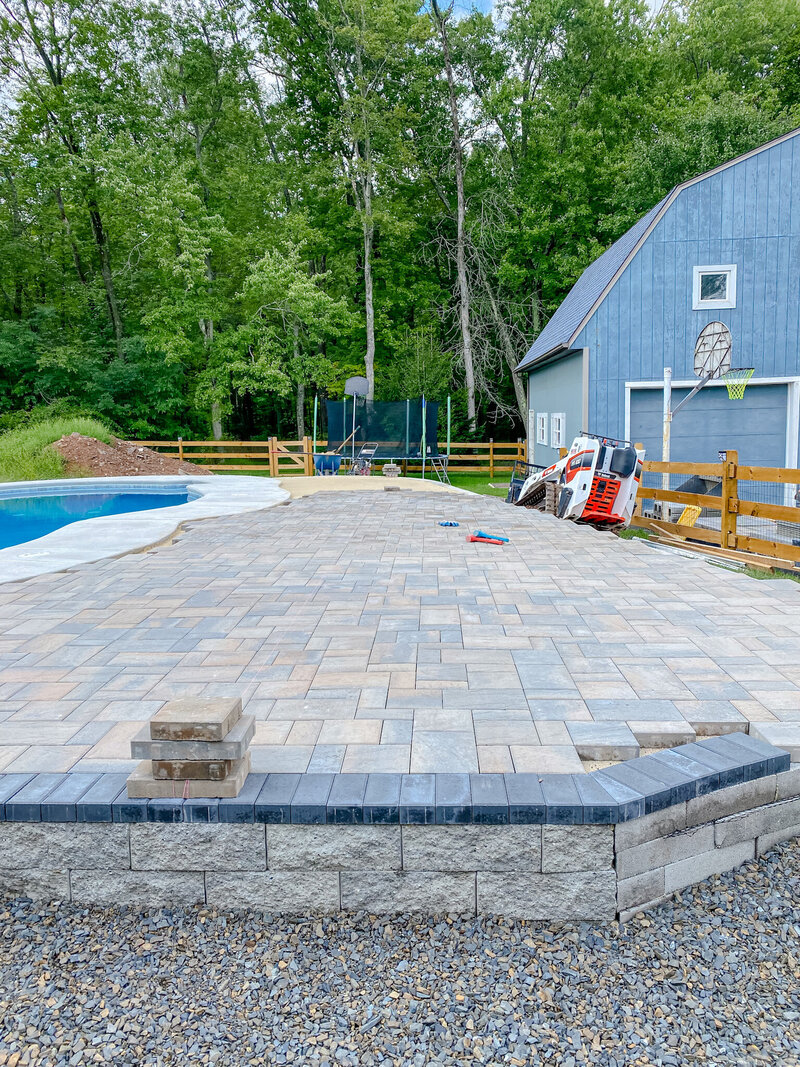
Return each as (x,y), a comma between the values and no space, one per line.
(26,518)
(56,528)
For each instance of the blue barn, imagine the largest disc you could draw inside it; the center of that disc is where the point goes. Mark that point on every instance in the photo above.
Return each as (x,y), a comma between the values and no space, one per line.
(722,248)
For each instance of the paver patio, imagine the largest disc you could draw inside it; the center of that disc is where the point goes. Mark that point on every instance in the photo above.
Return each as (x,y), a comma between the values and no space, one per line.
(363,636)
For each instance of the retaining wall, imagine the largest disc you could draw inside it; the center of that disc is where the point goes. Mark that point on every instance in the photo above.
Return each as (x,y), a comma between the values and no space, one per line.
(511,858)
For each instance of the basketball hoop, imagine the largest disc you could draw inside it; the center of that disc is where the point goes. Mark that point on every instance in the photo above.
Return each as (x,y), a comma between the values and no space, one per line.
(736,380)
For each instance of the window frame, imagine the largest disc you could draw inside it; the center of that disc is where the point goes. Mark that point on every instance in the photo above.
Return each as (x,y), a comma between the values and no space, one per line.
(541,427)
(557,436)
(710,305)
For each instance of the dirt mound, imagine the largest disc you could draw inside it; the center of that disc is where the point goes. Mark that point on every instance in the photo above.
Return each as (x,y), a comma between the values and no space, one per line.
(88,456)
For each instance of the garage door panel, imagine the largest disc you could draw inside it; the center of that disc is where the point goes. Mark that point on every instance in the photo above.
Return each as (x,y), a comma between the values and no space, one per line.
(710,423)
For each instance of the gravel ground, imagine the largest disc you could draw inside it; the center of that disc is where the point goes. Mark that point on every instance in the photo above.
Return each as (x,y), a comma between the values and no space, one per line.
(712,977)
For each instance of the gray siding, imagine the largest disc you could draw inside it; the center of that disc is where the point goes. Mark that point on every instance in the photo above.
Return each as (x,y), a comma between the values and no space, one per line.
(749,215)
(557,387)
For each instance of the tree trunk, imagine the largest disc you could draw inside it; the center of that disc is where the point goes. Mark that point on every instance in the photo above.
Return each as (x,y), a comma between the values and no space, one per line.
(301,404)
(369,306)
(105,270)
(461,258)
(301,388)
(508,351)
(207,330)
(76,255)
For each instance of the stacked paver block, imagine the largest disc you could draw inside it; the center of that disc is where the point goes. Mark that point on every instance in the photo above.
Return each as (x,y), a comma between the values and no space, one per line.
(193,748)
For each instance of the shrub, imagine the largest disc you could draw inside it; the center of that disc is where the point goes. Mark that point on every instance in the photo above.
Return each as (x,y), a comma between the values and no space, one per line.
(24,452)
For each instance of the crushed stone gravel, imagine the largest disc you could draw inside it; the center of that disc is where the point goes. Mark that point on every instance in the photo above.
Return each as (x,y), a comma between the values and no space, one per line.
(711,977)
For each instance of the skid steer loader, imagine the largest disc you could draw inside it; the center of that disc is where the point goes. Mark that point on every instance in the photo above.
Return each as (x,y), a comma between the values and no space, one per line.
(595,483)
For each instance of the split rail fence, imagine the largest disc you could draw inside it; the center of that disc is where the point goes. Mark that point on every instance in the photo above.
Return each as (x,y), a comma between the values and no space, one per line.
(286,458)
(733,510)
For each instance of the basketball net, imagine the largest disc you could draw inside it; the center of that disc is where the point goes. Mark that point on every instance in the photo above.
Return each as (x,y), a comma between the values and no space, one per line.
(736,380)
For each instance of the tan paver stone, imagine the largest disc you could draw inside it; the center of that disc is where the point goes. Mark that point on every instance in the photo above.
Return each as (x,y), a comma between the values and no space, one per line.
(546,759)
(54,758)
(353,732)
(390,759)
(116,744)
(495,759)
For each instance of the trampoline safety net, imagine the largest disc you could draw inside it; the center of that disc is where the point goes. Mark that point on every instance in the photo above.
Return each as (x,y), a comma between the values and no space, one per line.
(394,426)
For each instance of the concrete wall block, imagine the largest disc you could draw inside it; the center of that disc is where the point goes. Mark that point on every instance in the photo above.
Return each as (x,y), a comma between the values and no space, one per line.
(64,845)
(143,888)
(435,892)
(333,848)
(38,883)
(197,847)
(659,824)
(637,891)
(664,850)
(767,841)
(552,897)
(788,783)
(760,821)
(577,848)
(281,892)
(731,800)
(686,872)
(472,848)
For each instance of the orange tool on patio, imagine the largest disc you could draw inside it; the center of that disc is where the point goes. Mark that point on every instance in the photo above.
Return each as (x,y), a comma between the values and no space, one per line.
(485,540)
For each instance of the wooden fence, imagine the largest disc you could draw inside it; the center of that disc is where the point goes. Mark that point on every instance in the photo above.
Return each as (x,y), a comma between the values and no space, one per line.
(285,458)
(730,539)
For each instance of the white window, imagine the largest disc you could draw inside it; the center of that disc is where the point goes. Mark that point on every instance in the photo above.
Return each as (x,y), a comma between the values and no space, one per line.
(541,427)
(714,287)
(557,431)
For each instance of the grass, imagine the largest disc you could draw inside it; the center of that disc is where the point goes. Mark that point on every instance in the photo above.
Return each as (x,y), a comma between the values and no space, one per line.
(24,452)
(762,575)
(476,483)
(633,531)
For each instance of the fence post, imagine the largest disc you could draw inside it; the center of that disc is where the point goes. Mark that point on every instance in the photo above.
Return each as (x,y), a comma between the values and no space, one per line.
(730,500)
(521,449)
(180,450)
(307,457)
(491,459)
(273,457)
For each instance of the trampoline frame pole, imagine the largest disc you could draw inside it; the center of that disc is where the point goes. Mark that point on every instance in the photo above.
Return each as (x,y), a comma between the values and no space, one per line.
(424,437)
(314,438)
(448,427)
(353,442)
(408,424)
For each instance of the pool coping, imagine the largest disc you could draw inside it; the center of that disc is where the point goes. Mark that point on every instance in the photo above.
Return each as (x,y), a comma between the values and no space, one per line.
(617,794)
(110,536)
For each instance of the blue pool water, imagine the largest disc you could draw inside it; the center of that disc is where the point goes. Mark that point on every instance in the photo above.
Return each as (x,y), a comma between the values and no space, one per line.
(24,518)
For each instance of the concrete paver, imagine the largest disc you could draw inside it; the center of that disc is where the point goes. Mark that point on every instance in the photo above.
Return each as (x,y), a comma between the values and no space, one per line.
(362,636)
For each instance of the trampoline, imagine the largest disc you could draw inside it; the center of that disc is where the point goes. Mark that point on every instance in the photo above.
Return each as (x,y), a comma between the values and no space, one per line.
(389,431)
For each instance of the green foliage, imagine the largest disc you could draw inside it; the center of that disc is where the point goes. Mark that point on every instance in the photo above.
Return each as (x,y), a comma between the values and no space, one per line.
(24,452)
(188,192)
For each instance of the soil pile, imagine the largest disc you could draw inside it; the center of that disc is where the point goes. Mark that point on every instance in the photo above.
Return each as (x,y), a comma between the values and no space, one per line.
(90,457)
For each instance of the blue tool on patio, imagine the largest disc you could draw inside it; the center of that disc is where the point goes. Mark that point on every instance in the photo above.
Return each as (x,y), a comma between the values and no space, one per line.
(493,537)
(448,524)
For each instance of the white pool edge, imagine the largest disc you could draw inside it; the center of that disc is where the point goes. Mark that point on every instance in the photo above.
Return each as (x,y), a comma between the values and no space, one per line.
(90,540)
